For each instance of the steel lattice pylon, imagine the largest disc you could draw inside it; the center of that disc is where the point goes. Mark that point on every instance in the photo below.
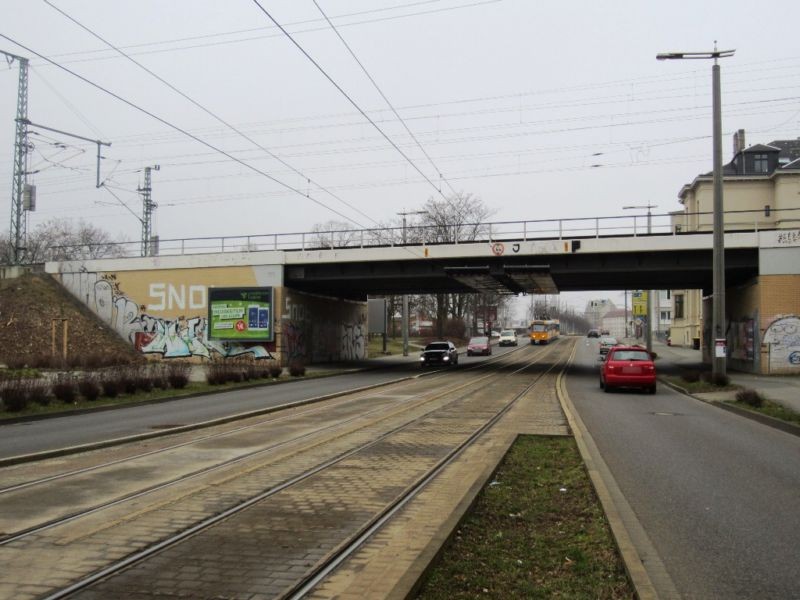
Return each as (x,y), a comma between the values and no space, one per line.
(18,221)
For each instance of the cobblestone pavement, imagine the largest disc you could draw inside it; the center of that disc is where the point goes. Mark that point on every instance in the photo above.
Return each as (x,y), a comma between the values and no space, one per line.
(264,550)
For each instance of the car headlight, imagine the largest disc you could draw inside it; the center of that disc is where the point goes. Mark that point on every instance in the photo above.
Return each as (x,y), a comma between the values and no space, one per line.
(446,358)
(422,358)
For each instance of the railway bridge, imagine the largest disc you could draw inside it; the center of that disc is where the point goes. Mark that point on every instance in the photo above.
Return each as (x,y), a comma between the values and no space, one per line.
(312,294)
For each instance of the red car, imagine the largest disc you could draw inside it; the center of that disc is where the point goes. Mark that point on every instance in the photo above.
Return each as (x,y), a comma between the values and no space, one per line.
(630,367)
(479,345)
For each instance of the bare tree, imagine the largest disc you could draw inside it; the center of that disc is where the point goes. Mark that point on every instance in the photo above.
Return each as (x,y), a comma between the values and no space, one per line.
(335,234)
(64,240)
(459,218)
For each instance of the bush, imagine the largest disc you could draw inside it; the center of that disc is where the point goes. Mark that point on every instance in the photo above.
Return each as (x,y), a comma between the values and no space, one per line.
(14,394)
(297,368)
(178,374)
(127,379)
(111,384)
(750,397)
(39,392)
(89,388)
(718,380)
(691,376)
(64,388)
(157,373)
(274,369)
(16,362)
(216,373)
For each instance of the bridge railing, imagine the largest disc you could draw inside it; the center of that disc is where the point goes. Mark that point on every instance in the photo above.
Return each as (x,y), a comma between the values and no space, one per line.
(416,235)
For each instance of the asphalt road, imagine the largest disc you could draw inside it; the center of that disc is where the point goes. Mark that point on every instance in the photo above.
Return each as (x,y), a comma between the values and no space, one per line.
(718,494)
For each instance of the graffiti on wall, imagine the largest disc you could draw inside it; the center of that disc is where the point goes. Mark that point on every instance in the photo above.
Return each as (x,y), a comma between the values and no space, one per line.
(783,337)
(322,330)
(181,337)
(741,338)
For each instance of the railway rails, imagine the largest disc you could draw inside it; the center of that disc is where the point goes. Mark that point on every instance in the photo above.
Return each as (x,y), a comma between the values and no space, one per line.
(269,505)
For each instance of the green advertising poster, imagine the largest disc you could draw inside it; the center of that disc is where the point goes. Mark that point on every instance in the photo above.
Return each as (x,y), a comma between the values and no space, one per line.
(240,314)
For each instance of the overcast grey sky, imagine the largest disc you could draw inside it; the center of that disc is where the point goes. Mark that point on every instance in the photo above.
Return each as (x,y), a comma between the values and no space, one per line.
(541,109)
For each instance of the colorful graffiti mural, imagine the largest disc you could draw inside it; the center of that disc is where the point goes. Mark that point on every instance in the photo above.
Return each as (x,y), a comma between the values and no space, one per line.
(181,337)
(783,337)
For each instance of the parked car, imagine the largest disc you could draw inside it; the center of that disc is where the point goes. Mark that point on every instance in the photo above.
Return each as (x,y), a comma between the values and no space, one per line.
(439,353)
(628,366)
(594,333)
(508,337)
(479,345)
(495,334)
(606,343)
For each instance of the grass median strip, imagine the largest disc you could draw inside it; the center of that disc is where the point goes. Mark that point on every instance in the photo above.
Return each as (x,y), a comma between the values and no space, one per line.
(536,531)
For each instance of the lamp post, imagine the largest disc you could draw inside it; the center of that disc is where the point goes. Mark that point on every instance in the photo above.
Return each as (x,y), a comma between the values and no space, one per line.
(648,330)
(719,347)
(404,325)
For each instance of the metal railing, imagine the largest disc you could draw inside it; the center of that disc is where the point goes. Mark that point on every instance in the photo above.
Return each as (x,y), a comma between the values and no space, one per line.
(419,235)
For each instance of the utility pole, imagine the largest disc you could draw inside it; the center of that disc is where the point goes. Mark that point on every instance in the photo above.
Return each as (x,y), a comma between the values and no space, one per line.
(404,324)
(148,206)
(719,348)
(19,180)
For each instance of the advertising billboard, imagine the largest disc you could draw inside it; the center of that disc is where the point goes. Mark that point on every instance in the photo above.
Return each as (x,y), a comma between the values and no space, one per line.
(240,314)
(639,303)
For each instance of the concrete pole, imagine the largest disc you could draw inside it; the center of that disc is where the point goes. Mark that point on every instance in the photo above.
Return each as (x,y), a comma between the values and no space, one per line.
(404,325)
(718,363)
(648,334)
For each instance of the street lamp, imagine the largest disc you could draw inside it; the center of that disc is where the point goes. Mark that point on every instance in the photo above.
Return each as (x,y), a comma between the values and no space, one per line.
(404,325)
(718,365)
(648,330)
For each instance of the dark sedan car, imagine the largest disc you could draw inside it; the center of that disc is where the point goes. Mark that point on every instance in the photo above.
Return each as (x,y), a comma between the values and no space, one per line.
(439,354)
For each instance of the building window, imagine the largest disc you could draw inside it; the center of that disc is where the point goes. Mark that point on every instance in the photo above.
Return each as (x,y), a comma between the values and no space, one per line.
(760,163)
(678,306)
(665,315)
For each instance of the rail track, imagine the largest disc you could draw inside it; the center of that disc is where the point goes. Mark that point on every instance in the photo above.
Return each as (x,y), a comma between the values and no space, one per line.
(316,479)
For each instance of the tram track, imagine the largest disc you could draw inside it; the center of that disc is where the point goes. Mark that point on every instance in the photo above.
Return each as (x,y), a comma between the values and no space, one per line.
(273,420)
(367,430)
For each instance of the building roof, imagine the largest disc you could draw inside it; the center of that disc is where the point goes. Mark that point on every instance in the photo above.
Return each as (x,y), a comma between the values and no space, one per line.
(762,148)
(790,149)
(788,152)
(795,164)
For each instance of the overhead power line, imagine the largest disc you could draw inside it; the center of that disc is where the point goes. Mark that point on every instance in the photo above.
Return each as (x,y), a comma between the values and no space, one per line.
(179,129)
(271,35)
(380,91)
(209,112)
(349,99)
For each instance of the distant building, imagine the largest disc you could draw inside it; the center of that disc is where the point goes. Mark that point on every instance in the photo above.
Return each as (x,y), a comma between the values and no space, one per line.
(614,321)
(596,310)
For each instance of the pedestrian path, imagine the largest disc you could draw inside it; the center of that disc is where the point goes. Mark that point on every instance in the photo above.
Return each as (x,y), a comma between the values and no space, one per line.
(781,389)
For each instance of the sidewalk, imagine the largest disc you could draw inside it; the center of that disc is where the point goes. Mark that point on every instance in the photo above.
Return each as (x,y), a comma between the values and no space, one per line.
(782,389)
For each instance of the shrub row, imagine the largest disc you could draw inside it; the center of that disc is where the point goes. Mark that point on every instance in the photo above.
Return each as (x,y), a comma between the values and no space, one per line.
(17,393)
(222,372)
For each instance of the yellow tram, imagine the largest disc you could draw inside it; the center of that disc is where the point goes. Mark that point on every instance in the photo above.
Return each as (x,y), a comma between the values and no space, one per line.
(543,331)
